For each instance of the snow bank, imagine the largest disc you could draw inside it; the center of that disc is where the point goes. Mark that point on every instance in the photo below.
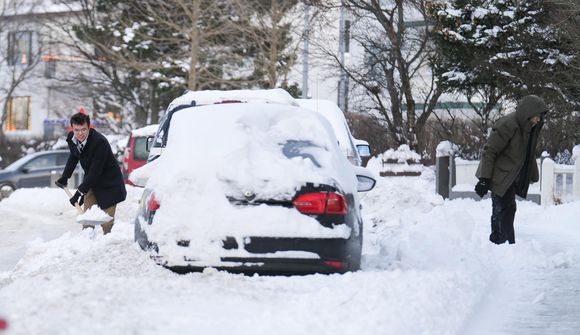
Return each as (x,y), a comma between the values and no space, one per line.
(428,268)
(445,149)
(402,161)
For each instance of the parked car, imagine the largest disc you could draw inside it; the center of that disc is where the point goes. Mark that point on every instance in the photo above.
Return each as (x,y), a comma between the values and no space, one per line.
(136,153)
(364,150)
(3,324)
(253,187)
(33,170)
(335,116)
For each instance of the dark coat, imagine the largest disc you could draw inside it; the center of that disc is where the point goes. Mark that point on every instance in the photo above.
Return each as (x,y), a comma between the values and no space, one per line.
(102,172)
(504,153)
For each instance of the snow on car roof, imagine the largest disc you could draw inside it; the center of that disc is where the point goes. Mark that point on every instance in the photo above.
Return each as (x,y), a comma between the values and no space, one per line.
(273,96)
(222,148)
(149,130)
(336,118)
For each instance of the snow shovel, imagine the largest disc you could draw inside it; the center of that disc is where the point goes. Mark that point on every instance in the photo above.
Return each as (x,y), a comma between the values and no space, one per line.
(87,222)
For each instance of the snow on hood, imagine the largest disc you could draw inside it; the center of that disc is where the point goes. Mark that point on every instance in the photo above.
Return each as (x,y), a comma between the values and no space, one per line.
(218,150)
(273,96)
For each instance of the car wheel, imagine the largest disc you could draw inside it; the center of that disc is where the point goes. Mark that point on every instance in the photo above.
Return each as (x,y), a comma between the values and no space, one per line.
(6,190)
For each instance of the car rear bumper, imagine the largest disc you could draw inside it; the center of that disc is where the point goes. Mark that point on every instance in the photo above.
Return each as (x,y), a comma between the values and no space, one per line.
(300,255)
(267,255)
(267,266)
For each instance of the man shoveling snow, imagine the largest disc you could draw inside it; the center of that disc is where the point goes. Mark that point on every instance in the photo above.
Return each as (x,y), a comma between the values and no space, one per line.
(103,182)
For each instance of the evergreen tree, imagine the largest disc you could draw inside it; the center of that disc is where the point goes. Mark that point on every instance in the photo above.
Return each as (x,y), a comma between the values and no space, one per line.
(501,50)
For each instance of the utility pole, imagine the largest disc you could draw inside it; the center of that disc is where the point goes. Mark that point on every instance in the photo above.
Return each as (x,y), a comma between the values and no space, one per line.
(305,55)
(342,83)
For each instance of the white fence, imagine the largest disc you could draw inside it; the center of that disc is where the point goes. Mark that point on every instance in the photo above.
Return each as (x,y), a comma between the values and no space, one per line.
(558,183)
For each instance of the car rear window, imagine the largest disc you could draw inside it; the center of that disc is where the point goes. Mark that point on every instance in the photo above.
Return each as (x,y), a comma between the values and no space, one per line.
(304,149)
(140,152)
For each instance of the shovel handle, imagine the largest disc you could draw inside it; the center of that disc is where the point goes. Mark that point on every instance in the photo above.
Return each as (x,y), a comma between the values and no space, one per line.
(77,206)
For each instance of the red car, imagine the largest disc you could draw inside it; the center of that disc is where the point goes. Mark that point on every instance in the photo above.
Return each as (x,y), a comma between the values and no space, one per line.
(3,324)
(136,152)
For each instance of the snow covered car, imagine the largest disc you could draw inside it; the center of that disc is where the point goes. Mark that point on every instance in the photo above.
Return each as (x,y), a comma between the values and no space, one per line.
(335,116)
(252,187)
(135,154)
(364,150)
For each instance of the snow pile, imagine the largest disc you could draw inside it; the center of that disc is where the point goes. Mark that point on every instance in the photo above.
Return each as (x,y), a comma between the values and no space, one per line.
(402,155)
(402,161)
(428,268)
(254,148)
(94,215)
(445,149)
(273,96)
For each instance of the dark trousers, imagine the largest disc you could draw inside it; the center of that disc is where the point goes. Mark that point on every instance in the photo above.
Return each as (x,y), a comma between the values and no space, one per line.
(502,217)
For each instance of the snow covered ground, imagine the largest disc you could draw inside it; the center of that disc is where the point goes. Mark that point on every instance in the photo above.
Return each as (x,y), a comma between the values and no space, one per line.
(428,268)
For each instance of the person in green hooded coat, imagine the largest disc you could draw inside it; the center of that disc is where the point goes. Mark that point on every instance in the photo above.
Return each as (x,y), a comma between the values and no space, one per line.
(508,164)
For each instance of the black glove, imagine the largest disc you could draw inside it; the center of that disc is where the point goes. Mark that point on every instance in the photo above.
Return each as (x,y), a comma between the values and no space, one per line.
(482,186)
(61,182)
(77,197)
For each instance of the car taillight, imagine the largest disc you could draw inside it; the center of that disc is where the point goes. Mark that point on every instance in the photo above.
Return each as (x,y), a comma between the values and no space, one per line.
(335,204)
(3,324)
(335,264)
(321,203)
(153,204)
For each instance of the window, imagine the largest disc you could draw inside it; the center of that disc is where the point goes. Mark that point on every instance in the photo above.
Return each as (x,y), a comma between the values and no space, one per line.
(18,117)
(140,152)
(347,36)
(41,162)
(20,47)
(62,158)
(50,69)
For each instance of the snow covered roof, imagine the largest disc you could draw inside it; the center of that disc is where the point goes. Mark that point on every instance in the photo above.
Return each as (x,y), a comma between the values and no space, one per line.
(335,116)
(149,130)
(24,7)
(273,96)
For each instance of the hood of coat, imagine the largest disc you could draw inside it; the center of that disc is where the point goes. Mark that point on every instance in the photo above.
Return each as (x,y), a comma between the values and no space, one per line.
(529,106)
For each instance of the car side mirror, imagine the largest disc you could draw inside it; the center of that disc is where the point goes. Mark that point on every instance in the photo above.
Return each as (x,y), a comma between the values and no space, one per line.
(25,169)
(149,143)
(364,150)
(365,178)
(365,183)
(140,176)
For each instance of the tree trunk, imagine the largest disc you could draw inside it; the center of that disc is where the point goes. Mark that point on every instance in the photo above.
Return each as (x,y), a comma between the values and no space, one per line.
(274,40)
(192,80)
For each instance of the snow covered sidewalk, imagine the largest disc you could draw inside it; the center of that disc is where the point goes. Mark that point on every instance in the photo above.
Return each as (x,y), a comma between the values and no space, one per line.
(428,268)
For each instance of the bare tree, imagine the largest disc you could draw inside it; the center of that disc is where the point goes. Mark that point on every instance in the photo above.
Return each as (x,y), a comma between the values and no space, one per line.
(394,71)
(143,53)
(269,31)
